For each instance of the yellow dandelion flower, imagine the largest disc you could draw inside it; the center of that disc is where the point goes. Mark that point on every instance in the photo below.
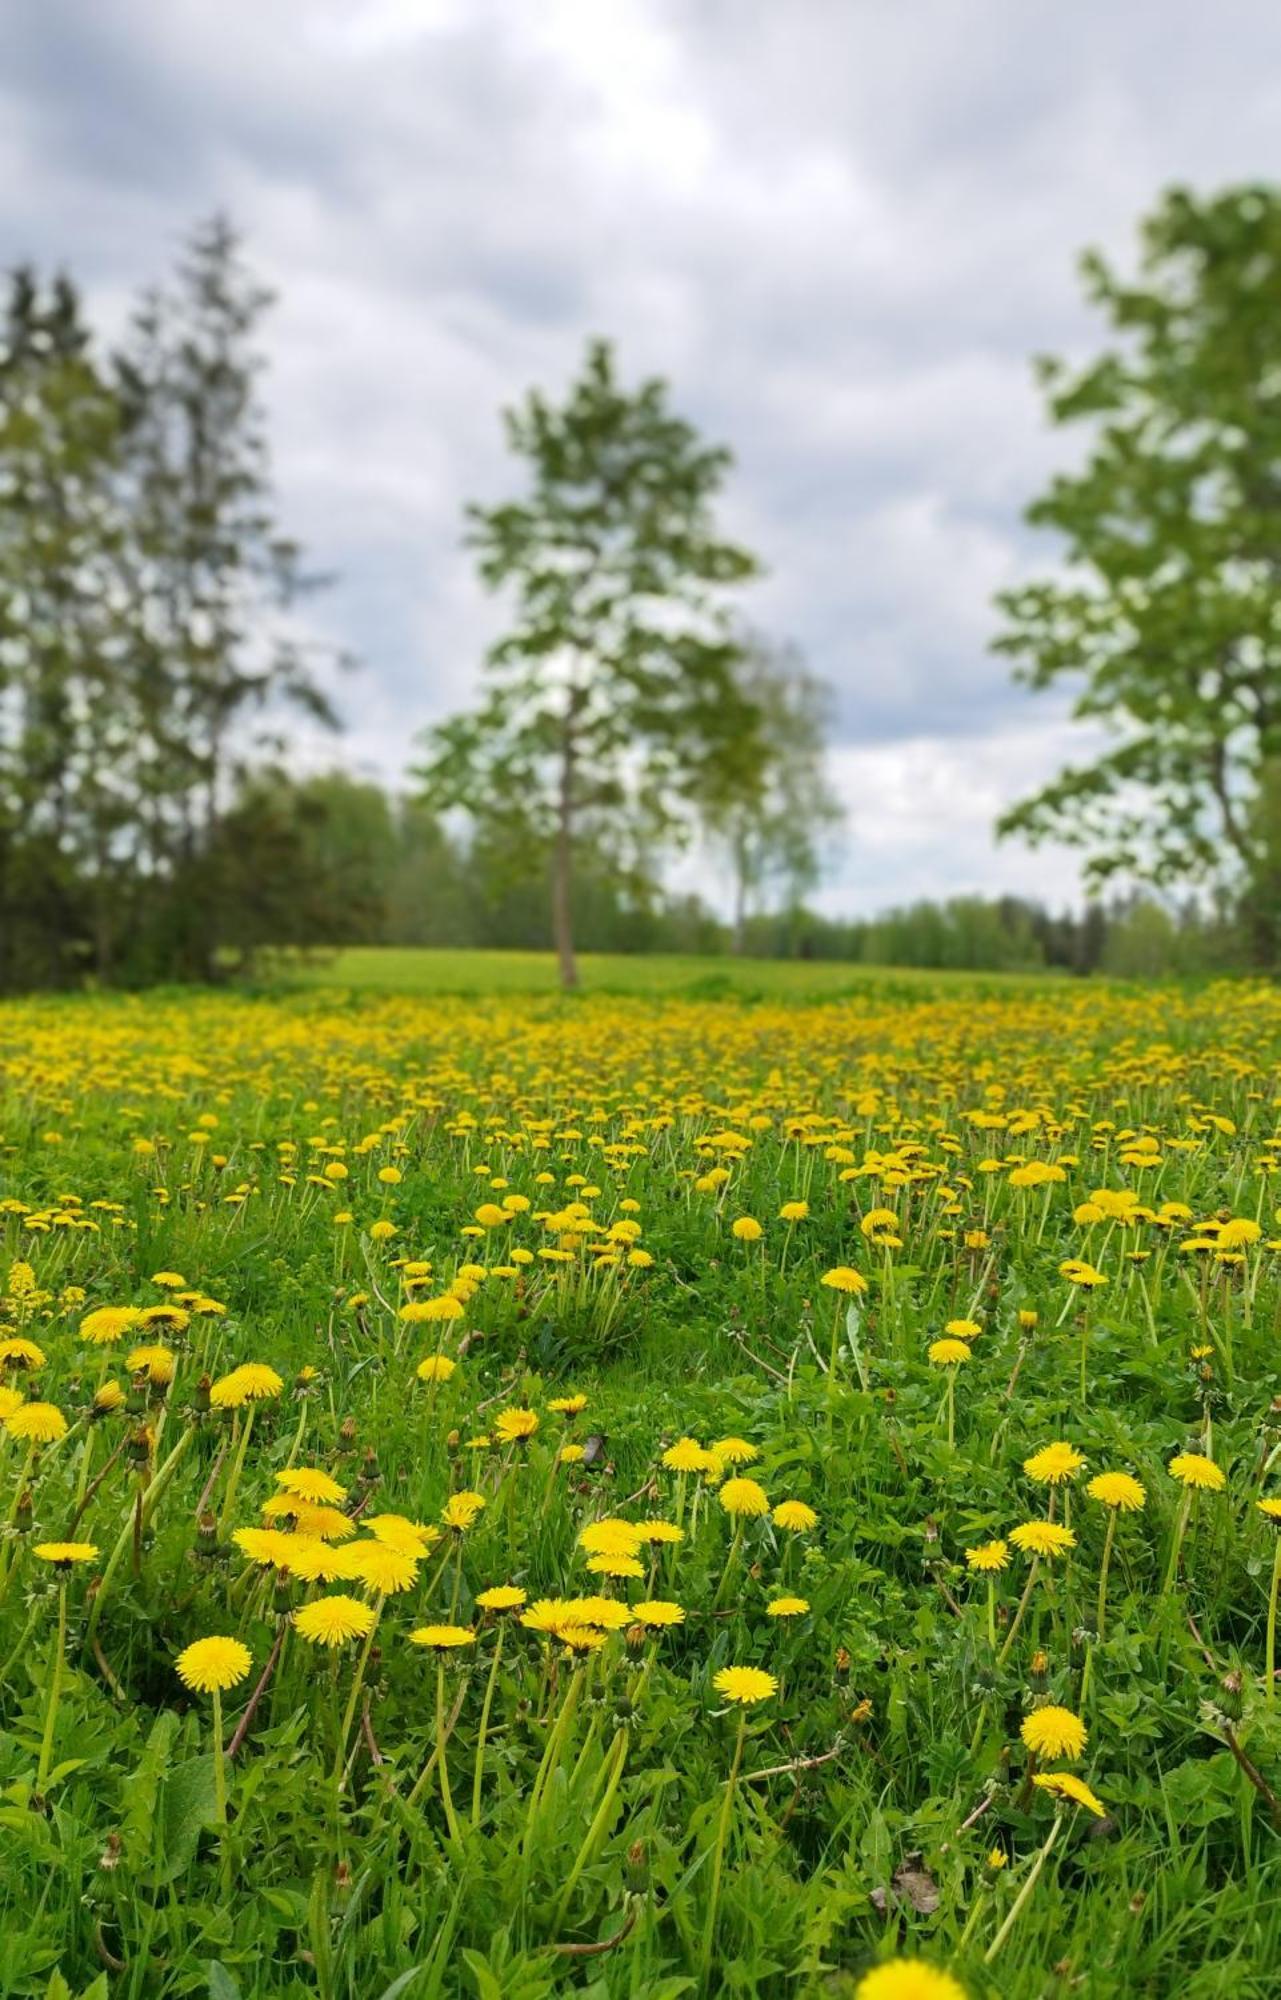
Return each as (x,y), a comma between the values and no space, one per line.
(1191,1469)
(745,1685)
(211,1665)
(1117,1489)
(1054,1732)
(331,1621)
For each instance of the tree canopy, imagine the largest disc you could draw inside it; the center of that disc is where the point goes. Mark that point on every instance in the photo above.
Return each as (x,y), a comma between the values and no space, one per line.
(614,697)
(1166,621)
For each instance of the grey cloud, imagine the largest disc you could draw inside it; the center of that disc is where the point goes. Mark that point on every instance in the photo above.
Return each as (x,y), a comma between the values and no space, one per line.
(841,229)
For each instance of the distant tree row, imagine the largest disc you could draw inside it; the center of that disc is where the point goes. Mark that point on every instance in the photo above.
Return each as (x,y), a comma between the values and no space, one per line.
(399,876)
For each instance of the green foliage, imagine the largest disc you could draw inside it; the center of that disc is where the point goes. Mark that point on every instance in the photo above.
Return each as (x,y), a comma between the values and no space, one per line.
(1166,616)
(614,699)
(146,650)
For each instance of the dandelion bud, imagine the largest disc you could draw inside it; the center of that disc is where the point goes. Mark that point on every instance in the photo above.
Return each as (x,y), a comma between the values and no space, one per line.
(112,1853)
(635,1637)
(1039,1665)
(200,1395)
(347,1431)
(136,1396)
(1230,1700)
(138,1446)
(207,1535)
(637,1868)
(22,1519)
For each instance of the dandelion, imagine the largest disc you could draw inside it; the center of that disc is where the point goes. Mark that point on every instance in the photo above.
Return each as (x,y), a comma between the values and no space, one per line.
(1121,1494)
(1042,1538)
(384,1570)
(1063,1785)
(1053,1732)
(988,1559)
(515,1426)
(309,1483)
(20,1352)
(65,1555)
(501,1597)
(1043,1541)
(436,1368)
(211,1666)
(794,1517)
(658,1613)
(443,1638)
(735,1451)
(687,1455)
(36,1423)
(743,1688)
(743,1497)
(332,1621)
(787,1607)
(1196,1474)
(908,1979)
(107,1324)
(1053,1464)
(462,1510)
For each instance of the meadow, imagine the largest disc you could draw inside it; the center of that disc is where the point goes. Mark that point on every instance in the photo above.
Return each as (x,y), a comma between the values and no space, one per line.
(420,969)
(641,1496)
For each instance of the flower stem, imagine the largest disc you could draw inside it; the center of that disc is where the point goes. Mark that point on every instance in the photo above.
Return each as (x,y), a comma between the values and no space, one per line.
(1028,1886)
(1270,1656)
(357,1681)
(718,1852)
(478,1780)
(220,1766)
(1108,1540)
(1176,1545)
(1017,1620)
(55,1693)
(446,1796)
(237,1467)
(596,1831)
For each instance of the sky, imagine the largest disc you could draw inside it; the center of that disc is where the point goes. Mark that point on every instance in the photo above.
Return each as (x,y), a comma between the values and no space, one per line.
(840,228)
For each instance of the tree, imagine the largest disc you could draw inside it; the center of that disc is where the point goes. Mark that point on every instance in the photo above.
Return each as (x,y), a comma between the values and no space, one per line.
(1168,617)
(215,578)
(613,700)
(65,725)
(774,803)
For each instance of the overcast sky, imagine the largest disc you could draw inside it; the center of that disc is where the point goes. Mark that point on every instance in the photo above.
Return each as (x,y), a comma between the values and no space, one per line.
(840,227)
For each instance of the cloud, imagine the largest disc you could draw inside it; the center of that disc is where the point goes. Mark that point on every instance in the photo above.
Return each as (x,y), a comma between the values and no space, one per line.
(840,230)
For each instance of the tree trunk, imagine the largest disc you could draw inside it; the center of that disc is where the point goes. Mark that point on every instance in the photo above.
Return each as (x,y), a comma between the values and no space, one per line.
(738,932)
(563,868)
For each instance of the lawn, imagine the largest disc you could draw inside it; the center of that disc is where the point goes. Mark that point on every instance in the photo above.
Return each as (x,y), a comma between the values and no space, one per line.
(657,1496)
(396,969)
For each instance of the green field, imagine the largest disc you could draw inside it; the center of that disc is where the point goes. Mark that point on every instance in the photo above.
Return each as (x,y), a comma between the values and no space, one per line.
(396,969)
(643,1498)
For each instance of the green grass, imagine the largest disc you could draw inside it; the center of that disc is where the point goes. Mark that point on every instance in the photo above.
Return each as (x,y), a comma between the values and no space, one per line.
(395,969)
(225,1138)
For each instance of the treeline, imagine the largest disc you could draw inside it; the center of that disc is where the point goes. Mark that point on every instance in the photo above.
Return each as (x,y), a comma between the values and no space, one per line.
(394,875)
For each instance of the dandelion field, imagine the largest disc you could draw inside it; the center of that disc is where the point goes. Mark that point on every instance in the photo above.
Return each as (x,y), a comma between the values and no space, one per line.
(642,1496)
